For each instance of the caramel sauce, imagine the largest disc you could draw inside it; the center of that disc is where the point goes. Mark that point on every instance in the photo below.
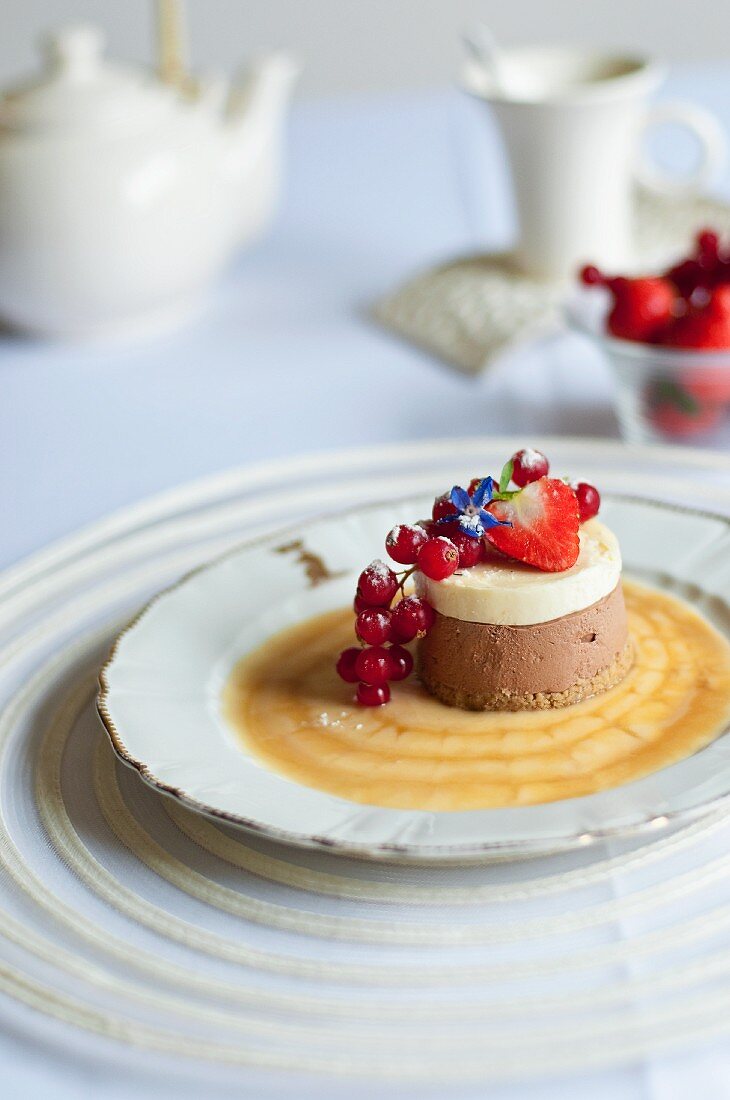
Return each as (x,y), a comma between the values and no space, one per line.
(295,715)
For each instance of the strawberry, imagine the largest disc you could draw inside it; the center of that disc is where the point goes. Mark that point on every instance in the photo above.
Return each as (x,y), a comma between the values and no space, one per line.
(676,424)
(545,522)
(678,412)
(708,385)
(642,308)
(704,327)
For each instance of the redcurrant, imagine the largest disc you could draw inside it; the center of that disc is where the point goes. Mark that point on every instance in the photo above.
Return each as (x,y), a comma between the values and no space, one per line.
(401,662)
(373,625)
(404,542)
(370,695)
(412,618)
(708,244)
(373,665)
(589,500)
(591,276)
(528,465)
(346,665)
(377,584)
(470,550)
(442,507)
(688,276)
(438,558)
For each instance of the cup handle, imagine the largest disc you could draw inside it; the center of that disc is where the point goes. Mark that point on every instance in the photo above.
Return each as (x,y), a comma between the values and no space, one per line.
(710,136)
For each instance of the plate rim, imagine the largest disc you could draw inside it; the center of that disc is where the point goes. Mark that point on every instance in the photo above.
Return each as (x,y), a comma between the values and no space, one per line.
(393,851)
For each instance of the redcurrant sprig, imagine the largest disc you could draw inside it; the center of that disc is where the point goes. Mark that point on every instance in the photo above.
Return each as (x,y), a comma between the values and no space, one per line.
(383,628)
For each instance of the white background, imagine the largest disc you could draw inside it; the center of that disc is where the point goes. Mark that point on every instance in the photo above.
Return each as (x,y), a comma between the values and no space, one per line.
(365,45)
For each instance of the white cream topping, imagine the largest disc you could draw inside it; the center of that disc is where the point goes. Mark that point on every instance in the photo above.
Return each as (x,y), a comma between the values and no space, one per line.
(511,594)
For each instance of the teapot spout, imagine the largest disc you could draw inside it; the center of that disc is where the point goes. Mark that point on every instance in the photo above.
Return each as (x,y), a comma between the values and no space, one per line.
(254,118)
(263,91)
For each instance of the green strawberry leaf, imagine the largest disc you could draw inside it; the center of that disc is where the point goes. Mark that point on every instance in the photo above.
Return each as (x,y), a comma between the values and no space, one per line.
(667,392)
(506,476)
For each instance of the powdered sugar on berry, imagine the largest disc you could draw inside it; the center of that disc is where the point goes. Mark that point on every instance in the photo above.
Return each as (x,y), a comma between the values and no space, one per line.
(530,458)
(378,568)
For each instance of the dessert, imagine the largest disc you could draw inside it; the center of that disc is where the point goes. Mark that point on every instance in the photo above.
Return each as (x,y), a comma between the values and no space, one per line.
(495,616)
(508,637)
(685,309)
(518,604)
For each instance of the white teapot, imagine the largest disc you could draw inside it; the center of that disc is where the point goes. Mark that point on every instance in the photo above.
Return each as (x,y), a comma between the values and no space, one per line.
(122,196)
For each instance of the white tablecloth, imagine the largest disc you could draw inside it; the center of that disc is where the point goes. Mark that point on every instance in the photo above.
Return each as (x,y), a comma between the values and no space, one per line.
(285,361)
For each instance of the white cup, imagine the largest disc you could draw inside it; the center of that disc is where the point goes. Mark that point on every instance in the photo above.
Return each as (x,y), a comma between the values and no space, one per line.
(572,121)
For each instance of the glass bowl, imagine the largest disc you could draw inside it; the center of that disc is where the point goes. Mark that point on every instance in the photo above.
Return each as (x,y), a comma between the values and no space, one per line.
(662,394)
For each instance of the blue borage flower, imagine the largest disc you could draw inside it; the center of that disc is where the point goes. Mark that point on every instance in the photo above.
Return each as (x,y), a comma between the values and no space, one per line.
(470,513)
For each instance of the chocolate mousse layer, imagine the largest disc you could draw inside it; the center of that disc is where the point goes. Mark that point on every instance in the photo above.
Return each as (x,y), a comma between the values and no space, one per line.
(481,666)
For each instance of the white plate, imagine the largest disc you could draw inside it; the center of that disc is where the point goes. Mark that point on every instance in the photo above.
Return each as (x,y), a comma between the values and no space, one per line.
(160,695)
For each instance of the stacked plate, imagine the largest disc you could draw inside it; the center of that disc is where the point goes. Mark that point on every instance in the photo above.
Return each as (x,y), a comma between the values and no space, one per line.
(128,918)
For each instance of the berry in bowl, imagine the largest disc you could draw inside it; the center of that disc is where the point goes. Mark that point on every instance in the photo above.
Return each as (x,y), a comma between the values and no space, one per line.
(667,339)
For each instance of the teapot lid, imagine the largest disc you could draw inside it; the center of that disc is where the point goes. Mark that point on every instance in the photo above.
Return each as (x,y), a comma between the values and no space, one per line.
(79,90)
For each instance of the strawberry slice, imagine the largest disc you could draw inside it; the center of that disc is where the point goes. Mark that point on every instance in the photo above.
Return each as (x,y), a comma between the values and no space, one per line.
(545,522)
